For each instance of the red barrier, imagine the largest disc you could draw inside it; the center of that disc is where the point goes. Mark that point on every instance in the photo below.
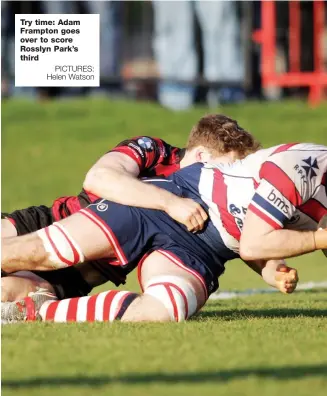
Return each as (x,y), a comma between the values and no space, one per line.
(266,36)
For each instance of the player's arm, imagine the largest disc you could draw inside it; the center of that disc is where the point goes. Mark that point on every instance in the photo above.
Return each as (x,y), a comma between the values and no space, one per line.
(276,274)
(260,240)
(114,177)
(272,206)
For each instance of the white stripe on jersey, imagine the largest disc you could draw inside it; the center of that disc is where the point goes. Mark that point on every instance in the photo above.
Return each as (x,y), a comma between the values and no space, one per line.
(206,191)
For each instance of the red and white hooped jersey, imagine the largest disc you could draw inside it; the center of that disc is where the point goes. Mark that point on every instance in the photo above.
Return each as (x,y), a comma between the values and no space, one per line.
(284,185)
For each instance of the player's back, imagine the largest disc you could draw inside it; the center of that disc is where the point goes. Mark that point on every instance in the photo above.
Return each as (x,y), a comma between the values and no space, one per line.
(268,179)
(226,190)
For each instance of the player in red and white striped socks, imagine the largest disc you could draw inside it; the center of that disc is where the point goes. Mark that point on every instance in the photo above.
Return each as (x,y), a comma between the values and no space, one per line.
(42,305)
(104,307)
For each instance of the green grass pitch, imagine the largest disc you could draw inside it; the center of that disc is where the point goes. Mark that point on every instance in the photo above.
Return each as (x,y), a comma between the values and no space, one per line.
(262,345)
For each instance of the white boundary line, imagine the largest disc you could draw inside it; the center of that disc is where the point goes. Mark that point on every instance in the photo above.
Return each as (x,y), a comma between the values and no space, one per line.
(225,295)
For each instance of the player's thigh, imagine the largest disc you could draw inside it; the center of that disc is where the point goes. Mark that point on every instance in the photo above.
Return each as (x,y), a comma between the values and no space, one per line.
(7,229)
(86,234)
(18,285)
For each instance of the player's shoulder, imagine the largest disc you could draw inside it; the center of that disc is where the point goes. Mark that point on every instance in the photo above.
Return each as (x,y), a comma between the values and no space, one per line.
(248,167)
(148,143)
(291,157)
(296,150)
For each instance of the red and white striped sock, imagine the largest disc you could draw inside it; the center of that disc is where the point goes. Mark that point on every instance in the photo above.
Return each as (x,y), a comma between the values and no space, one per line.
(103,307)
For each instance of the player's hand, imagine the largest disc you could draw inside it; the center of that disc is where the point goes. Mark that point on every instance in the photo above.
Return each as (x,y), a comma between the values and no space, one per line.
(187,212)
(286,279)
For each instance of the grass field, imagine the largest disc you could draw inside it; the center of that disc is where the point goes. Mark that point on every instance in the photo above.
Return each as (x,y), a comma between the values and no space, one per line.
(260,345)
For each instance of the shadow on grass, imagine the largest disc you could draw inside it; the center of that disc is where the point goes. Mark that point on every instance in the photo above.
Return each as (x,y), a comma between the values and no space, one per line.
(276,373)
(241,314)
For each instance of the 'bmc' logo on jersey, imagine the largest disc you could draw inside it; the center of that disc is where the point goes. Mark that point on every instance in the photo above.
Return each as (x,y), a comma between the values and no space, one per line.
(278,202)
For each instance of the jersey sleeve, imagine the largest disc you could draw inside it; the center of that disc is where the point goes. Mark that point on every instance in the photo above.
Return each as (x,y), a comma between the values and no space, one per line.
(278,194)
(144,150)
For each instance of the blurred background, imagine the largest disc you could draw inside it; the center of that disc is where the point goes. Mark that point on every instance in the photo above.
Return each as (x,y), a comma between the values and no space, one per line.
(180,53)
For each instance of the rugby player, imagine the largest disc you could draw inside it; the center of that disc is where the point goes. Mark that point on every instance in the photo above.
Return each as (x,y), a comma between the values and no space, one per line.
(178,270)
(114,177)
(272,204)
(291,195)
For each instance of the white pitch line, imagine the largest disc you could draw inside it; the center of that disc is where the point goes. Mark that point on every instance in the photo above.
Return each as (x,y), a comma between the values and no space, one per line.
(225,295)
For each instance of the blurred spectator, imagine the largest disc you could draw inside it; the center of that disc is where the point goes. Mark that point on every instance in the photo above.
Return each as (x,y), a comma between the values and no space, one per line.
(110,33)
(175,51)
(111,37)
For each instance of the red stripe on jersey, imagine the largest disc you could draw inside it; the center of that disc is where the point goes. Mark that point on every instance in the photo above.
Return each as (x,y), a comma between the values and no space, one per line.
(323,180)
(51,310)
(281,181)
(313,209)
(107,304)
(152,157)
(166,170)
(219,197)
(284,147)
(90,310)
(264,217)
(72,310)
(65,206)
(133,154)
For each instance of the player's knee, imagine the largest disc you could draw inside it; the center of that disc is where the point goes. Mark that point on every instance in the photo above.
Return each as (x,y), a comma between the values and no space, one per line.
(62,250)
(176,294)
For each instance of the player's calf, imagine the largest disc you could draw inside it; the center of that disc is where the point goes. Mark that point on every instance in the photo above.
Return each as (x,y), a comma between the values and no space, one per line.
(103,307)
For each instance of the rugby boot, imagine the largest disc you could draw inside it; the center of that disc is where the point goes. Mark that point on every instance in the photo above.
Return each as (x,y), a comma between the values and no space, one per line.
(26,309)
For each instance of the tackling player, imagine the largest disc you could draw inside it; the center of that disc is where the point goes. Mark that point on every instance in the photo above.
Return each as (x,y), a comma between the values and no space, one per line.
(269,205)
(291,196)
(178,269)
(289,201)
(114,177)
